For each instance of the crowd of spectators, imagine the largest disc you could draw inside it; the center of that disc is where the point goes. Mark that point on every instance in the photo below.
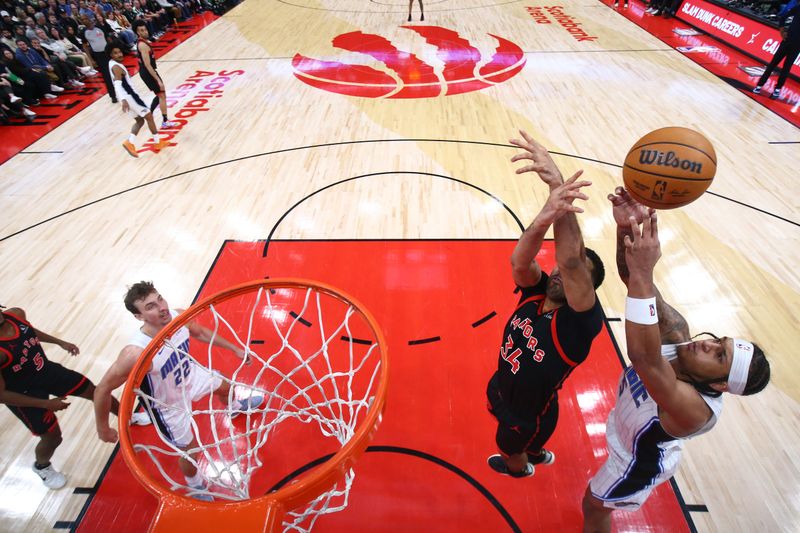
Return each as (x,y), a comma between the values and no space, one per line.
(47,45)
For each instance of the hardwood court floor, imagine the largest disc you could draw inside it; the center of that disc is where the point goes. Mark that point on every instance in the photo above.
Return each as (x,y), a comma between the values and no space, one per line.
(78,226)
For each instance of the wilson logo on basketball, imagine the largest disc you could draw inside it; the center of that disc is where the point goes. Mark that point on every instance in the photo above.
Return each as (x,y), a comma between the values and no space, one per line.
(669,159)
(460,66)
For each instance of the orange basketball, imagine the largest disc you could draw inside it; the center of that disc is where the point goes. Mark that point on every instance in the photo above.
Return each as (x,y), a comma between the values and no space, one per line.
(669,167)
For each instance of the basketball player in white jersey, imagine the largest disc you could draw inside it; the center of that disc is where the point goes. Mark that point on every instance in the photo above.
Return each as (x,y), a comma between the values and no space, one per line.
(672,391)
(131,102)
(172,373)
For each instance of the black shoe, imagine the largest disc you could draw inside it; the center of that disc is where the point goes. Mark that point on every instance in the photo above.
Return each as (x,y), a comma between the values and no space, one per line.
(409,18)
(546,457)
(498,464)
(776,93)
(113,100)
(422,17)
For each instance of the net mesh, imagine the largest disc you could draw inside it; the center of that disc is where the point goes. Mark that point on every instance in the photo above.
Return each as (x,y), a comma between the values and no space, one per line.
(309,373)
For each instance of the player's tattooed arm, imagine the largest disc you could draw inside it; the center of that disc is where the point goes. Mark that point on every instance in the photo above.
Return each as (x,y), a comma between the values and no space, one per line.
(672,325)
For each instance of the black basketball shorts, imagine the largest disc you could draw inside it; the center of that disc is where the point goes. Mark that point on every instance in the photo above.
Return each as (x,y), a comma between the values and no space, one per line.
(52,380)
(149,80)
(516,434)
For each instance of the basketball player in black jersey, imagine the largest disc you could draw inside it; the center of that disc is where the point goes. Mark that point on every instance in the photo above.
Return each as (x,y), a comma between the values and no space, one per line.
(149,74)
(551,330)
(29,379)
(421,10)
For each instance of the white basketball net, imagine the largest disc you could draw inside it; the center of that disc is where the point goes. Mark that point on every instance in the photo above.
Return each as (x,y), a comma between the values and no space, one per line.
(329,386)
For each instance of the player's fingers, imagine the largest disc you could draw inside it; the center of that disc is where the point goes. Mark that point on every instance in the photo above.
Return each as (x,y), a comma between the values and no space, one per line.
(576,195)
(627,241)
(527,137)
(634,228)
(529,168)
(526,155)
(654,225)
(646,228)
(578,184)
(574,177)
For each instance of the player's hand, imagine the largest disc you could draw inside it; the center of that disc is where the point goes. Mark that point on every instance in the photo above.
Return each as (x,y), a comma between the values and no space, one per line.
(108,435)
(71,348)
(624,207)
(561,198)
(541,162)
(642,247)
(56,404)
(125,106)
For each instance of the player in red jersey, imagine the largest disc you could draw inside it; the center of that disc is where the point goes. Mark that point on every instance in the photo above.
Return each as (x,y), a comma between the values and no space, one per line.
(28,379)
(551,331)
(149,74)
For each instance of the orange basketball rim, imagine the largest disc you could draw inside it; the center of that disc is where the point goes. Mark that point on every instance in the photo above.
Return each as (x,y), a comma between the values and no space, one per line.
(180,513)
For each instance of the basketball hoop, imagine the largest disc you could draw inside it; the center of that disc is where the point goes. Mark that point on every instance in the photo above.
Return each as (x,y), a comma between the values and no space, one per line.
(319,360)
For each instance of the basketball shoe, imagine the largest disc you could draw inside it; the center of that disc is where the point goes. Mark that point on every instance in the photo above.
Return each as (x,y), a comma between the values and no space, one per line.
(246,405)
(141,419)
(130,148)
(545,457)
(497,464)
(168,124)
(52,478)
(201,493)
(757,89)
(776,93)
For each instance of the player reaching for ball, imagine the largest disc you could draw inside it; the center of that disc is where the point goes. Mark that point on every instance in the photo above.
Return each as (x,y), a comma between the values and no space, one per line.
(551,331)
(672,391)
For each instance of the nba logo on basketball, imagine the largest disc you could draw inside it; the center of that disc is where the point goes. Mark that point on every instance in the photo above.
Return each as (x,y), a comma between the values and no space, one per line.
(465,69)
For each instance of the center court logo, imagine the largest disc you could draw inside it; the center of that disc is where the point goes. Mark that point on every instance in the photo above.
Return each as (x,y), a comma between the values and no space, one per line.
(465,69)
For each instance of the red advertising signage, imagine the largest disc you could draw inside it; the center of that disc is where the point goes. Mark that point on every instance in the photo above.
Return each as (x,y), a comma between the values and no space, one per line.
(748,35)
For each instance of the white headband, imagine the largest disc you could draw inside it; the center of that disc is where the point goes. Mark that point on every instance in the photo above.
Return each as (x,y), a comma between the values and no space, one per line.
(740,367)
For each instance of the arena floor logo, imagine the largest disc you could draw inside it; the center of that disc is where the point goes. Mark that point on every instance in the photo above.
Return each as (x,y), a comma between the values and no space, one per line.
(464,67)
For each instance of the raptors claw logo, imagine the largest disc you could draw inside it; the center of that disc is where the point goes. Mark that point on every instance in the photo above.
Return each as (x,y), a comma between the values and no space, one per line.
(414,77)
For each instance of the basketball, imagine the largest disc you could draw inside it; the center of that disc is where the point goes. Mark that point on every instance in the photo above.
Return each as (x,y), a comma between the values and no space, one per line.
(669,168)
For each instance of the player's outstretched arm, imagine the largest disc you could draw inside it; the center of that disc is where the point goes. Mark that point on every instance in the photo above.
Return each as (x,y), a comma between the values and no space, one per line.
(526,271)
(115,376)
(570,252)
(684,408)
(203,334)
(671,323)
(44,337)
(524,268)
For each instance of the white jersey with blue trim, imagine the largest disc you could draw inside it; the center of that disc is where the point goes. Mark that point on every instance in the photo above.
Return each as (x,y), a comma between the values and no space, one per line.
(634,427)
(171,368)
(124,87)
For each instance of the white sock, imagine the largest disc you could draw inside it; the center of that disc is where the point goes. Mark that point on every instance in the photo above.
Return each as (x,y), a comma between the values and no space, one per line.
(132,138)
(196,481)
(156,138)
